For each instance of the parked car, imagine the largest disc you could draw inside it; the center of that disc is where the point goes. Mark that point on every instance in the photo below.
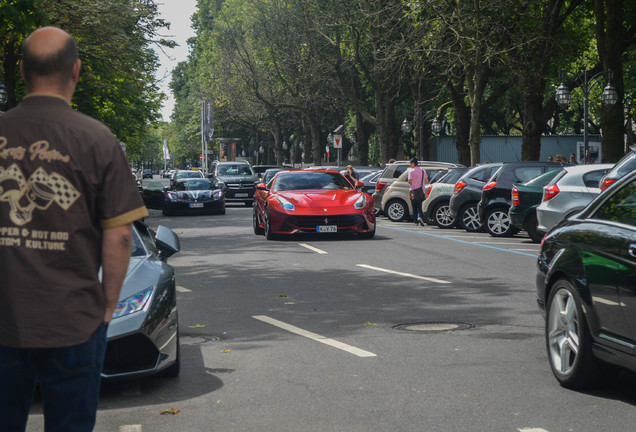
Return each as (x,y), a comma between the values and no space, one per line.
(312,201)
(370,181)
(569,192)
(185,196)
(525,198)
(147,173)
(237,179)
(495,199)
(391,172)
(168,173)
(143,337)
(438,195)
(396,199)
(626,165)
(585,289)
(466,196)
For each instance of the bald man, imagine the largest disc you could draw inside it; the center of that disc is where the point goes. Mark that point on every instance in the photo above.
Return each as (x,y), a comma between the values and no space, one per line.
(67,202)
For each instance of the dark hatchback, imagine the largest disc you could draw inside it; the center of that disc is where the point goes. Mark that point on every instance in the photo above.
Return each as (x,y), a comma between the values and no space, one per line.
(466,196)
(186,196)
(525,198)
(495,199)
(586,289)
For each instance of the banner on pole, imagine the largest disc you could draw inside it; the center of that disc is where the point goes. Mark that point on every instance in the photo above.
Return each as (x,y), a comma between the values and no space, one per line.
(166,152)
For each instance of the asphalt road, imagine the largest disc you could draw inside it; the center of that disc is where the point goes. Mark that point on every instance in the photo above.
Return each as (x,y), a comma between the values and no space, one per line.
(308,334)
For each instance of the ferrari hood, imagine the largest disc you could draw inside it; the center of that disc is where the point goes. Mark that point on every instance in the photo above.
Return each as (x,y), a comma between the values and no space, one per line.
(326,198)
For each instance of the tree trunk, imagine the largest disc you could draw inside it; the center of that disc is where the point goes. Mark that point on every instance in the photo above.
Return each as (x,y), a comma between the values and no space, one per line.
(609,36)
(533,125)
(317,149)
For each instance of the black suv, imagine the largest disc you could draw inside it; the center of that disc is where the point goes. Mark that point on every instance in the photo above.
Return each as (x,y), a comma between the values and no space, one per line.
(237,179)
(467,193)
(496,195)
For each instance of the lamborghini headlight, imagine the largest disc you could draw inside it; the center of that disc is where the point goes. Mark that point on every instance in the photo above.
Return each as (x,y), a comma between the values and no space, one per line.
(134,303)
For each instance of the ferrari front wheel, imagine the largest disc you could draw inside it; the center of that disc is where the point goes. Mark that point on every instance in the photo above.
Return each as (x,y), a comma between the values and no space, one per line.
(258,230)
(269,235)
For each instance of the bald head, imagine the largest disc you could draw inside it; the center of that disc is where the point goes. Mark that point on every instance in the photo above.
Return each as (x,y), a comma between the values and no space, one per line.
(49,60)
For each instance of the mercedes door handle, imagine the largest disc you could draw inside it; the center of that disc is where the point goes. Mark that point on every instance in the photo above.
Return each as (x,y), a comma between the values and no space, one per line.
(632,250)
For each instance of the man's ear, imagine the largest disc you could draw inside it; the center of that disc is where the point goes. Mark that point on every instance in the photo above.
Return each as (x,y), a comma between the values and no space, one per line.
(75,72)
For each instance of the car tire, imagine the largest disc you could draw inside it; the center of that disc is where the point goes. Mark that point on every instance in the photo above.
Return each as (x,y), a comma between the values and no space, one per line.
(569,343)
(174,369)
(269,235)
(367,235)
(497,223)
(396,210)
(532,227)
(468,218)
(442,216)
(258,230)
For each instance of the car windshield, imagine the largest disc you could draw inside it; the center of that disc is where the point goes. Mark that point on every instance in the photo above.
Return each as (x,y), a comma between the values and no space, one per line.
(190,174)
(306,180)
(544,178)
(137,246)
(235,170)
(195,184)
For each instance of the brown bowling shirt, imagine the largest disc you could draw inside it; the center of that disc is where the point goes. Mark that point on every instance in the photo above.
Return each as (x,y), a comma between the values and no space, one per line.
(63,180)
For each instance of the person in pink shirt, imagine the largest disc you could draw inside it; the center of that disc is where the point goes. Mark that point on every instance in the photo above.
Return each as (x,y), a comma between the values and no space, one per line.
(417,181)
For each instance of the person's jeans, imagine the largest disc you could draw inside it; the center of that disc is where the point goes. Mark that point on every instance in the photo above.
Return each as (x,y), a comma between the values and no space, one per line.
(69,380)
(417,210)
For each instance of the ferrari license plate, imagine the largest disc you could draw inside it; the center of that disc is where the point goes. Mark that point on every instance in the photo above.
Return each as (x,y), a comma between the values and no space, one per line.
(241,195)
(196,205)
(327,228)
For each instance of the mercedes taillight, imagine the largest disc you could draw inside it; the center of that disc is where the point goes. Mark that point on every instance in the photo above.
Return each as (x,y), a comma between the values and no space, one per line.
(515,197)
(459,186)
(550,192)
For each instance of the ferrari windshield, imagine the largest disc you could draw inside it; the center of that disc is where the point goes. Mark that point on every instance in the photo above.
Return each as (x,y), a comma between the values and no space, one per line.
(304,180)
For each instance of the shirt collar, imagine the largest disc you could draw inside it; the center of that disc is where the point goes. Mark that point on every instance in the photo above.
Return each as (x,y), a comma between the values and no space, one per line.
(46,94)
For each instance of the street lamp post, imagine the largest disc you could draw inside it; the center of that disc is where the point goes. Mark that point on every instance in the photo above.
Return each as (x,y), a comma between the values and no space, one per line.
(406,127)
(4,96)
(608,97)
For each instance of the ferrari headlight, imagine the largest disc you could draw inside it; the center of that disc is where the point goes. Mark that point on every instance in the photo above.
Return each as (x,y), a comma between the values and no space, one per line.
(134,303)
(286,204)
(361,202)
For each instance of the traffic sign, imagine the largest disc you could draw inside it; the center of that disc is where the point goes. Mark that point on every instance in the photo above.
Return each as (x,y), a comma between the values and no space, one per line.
(337,141)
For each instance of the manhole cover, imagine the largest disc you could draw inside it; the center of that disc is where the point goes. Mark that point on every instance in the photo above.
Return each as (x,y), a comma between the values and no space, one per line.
(432,327)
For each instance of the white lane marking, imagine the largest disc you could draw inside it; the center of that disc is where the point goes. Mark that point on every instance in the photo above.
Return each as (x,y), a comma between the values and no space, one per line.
(311,248)
(403,274)
(130,428)
(182,289)
(532,430)
(313,336)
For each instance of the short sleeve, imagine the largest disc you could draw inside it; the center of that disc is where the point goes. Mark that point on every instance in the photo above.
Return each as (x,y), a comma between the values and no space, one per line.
(119,201)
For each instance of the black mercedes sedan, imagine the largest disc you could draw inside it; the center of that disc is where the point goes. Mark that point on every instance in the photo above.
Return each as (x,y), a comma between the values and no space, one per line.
(143,337)
(187,195)
(586,289)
